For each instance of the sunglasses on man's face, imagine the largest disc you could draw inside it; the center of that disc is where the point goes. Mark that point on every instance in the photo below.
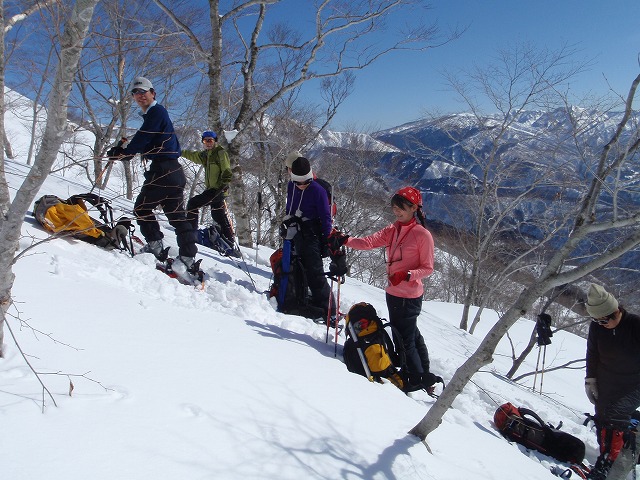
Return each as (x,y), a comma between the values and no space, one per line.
(138,91)
(604,320)
(208,140)
(306,182)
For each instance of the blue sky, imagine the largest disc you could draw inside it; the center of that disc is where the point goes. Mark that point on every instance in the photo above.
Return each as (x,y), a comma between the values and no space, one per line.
(400,88)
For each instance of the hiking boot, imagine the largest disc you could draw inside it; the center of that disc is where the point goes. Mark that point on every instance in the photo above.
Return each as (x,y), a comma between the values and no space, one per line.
(157,248)
(187,268)
(186,263)
(412,383)
(213,235)
(600,469)
(323,321)
(228,248)
(429,381)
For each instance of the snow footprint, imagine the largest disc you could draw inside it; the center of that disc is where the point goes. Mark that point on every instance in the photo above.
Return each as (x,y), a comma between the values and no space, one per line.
(118,392)
(192,410)
(55,265)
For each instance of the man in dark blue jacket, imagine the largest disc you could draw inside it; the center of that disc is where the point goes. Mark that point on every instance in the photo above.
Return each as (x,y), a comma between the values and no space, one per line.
(164,183)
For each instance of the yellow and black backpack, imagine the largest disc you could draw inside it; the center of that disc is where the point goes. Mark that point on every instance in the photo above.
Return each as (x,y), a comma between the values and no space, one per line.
(368,342)
(71,217)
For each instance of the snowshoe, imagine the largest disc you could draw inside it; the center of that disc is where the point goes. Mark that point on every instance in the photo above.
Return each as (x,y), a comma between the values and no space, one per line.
(185,274)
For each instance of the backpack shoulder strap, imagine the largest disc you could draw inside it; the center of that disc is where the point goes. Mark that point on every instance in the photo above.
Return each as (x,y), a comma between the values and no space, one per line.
(102,205)
(395,345)
(526,412)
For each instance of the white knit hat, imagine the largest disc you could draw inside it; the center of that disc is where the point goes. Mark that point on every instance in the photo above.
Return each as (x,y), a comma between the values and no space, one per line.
(600,303)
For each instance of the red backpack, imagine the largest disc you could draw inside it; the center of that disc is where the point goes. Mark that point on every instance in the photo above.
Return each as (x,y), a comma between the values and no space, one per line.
(525,427)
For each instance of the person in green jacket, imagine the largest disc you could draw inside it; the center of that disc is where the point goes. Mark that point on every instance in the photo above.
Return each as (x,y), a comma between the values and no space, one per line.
(217,168)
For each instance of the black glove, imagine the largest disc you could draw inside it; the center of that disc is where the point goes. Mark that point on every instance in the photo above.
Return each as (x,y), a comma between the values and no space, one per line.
(117,153)
(338,266)
(336,240)
(290,221)
(429,379)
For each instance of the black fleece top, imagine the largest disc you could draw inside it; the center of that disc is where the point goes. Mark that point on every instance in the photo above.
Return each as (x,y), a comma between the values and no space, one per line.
(613,355)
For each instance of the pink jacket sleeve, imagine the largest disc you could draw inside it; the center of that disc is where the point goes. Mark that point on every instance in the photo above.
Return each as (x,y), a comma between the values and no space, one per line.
(413,253)
(381,238)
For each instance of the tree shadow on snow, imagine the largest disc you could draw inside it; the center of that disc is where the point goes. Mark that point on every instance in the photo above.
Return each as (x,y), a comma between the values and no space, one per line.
(272,331)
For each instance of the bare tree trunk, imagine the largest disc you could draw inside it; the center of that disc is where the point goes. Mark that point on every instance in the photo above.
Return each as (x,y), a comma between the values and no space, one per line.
(37,107)
(481,357)
(239,198)
(71,44)
(8,151)
(4,187)
(476,319)
(517,362)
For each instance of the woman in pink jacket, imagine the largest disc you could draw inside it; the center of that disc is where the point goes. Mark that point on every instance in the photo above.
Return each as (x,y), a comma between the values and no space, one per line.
(409,253)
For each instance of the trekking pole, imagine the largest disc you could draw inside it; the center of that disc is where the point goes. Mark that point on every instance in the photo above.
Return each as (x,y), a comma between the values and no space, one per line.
(99,177)
(535,377)
(259,222)
(544,354)
(335,340)
(326,338)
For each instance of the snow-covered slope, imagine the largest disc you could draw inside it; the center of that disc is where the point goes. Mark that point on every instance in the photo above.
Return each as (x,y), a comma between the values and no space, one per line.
(174,382)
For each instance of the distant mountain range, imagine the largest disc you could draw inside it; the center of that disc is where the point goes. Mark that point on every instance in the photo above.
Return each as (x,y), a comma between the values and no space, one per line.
(447,158)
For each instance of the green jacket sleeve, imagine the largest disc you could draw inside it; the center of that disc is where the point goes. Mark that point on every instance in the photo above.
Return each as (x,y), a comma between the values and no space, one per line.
(193,155)
(225,167)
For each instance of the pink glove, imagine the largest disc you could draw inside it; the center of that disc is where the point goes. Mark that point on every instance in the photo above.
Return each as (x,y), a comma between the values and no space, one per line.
(398,277)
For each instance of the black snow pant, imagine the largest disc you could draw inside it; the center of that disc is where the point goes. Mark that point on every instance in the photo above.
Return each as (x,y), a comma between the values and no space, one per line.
(403,316)
(214,198)
(308,247)
(164,185)
(617,400)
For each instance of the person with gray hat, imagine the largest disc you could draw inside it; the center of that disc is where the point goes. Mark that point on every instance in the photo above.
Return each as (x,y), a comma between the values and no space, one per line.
(164,183)
(612,381)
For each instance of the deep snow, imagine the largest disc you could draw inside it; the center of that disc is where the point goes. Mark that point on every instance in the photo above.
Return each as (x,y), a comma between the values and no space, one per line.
(174,382)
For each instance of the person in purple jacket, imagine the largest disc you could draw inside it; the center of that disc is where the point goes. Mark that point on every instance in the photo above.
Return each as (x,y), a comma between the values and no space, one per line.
(307,200)
(164,180)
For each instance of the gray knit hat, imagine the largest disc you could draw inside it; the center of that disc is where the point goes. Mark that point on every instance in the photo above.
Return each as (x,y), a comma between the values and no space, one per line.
(291,158)
(600,303)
